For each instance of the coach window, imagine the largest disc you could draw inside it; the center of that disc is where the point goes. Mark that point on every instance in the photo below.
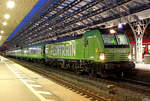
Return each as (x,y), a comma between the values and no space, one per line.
(41,48)
(46,50)
(148,49)
(144,50)
(86,42)
(133,52)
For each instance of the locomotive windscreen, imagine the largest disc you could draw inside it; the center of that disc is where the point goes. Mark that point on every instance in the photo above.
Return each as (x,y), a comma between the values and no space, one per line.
(119,39)
(112,38)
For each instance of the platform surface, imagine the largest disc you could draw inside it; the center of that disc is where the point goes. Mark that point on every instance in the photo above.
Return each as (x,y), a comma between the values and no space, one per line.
(20,84)
(142,66)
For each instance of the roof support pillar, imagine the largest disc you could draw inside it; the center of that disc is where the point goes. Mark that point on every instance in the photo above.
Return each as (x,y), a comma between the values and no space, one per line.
(138,38)
(137,25)
(138,29)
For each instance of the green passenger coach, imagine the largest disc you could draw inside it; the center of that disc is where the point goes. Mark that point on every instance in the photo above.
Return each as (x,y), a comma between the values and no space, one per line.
(30,53)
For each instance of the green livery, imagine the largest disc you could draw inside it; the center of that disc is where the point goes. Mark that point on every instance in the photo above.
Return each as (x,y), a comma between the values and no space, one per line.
(88,47)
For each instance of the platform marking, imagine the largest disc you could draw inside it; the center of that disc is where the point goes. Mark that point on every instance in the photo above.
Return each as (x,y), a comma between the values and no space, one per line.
(24,76)
(18,72)
(35,85)
(28,86)
(43,92)
(29,81)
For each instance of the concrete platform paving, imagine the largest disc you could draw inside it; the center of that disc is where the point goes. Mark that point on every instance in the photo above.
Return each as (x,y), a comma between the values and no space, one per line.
(20,84)
(143,66)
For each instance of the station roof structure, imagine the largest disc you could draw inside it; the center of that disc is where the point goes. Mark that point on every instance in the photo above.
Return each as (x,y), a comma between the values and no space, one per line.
(59,18)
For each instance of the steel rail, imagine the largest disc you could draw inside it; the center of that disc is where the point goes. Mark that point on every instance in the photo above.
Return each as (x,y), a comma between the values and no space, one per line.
(147,84)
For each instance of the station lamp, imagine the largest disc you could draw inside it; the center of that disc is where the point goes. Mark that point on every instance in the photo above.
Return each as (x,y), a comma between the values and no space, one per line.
(102,56)
(129,57)
(6,16)
(0,37)
(10,4)
(120,26)
(5,45)
(4,23)
(112,31)
(2,32)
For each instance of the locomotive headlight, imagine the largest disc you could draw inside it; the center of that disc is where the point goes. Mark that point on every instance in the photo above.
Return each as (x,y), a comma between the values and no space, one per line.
(102,56)
(129,57)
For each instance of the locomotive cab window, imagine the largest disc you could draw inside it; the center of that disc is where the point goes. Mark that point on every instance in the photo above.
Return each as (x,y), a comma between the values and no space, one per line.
(122,39)
(109,39)
(119,39)
(114,39)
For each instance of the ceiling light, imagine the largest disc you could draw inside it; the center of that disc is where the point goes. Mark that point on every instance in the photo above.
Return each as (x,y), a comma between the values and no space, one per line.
(4,23)
(112,31)
(10,4)
(7,16)
(0,37)
(120,26)
(2,32)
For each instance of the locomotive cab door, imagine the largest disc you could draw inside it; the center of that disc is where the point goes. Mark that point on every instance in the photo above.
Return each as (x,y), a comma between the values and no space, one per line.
(89,45)
(86,48)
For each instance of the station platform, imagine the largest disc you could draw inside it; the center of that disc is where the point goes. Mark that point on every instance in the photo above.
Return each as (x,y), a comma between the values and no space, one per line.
(142,66)
(20,84)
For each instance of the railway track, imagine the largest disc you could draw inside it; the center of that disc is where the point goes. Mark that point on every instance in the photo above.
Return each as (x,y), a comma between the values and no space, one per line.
(89,94)
(134,85)
(130,84)
(136,82)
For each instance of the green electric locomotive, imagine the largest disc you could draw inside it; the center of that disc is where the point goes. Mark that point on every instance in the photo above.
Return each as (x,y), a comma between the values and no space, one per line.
(98,51)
